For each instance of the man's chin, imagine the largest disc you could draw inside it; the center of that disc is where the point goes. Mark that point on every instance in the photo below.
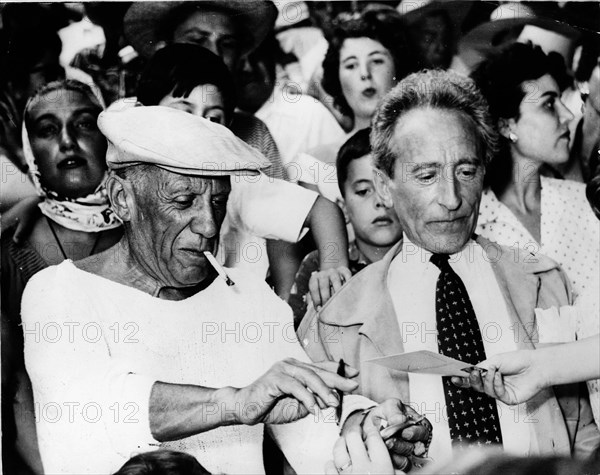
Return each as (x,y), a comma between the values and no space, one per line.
(447,244)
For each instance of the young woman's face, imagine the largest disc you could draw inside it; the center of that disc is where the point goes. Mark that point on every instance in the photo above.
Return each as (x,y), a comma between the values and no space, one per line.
(204,101)
(68,147)
(542,128)
(366,74)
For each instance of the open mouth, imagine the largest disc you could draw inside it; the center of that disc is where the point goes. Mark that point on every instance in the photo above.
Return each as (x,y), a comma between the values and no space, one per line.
(71,162)
(566,135)
(369,92)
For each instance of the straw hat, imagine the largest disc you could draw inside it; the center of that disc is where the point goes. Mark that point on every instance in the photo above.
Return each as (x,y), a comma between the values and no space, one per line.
(514,21)
(144,21)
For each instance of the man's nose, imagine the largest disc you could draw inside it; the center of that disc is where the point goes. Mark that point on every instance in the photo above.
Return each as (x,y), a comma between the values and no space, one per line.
(204,223)
(211,43)
(449,193)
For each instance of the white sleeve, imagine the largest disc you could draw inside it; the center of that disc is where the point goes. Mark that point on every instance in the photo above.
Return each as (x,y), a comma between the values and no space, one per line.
(91,411)
(314,434)
(269,208)
(307,169)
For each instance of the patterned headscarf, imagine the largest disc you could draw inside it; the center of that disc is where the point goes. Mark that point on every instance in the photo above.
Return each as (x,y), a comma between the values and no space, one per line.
(91,213)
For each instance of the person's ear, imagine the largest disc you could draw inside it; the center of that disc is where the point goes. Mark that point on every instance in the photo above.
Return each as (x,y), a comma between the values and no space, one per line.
(382,184)
(506,127)
(120,195)
(342,204)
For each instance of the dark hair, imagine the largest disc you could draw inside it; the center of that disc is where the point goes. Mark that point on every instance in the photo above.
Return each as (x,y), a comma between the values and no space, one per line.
(179,68)
(355,147)
(436,89)
(500,79)
(383,25)
(500,76)
(588,60)
(162,462)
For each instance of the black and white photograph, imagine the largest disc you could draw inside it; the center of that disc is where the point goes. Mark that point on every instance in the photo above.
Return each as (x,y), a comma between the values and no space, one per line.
(300,237)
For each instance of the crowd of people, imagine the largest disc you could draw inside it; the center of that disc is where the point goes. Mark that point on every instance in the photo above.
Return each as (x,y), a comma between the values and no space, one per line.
(222,219)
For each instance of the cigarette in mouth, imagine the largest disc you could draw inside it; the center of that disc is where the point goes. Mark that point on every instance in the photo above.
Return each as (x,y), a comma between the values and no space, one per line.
(218,268)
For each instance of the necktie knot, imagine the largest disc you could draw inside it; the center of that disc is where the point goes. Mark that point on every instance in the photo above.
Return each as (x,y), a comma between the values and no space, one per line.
(440,261)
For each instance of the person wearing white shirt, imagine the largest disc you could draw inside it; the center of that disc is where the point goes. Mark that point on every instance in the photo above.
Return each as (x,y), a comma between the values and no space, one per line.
(443,289)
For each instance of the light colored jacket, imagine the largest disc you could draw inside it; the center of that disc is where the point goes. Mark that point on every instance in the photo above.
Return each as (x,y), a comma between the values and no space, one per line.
(360,323)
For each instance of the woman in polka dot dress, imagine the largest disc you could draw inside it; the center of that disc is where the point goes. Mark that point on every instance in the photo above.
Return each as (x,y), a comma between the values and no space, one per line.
(520,207)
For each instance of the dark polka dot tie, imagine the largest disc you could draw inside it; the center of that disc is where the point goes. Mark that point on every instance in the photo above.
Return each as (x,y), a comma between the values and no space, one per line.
(472,416)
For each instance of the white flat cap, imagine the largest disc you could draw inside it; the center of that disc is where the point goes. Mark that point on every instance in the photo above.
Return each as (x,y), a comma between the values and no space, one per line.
(176,141)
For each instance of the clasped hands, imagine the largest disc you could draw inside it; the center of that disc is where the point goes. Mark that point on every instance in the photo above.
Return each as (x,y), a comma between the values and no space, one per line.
(292,389)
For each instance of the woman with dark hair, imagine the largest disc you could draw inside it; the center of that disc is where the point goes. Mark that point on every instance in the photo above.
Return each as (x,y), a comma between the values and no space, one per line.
(368,54)
(522,208)
(191,78)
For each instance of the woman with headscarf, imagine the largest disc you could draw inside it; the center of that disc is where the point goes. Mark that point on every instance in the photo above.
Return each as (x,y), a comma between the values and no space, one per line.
(65,153)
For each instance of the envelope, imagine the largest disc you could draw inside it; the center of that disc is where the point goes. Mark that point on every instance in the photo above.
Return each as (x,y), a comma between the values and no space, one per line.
(425,362)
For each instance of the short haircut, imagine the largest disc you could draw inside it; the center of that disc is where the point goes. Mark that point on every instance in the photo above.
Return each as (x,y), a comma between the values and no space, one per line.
(435,89)
(499,78)
(162,462)
(177,69)
(354,148)
(383,25)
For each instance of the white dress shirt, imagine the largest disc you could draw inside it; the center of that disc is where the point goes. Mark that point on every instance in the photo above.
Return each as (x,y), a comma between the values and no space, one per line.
(412,282)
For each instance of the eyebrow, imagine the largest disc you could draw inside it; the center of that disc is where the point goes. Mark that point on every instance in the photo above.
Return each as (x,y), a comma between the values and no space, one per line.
(370,54)
(195,28)
(361,181)
(462,161)
(51,115)
(549,94)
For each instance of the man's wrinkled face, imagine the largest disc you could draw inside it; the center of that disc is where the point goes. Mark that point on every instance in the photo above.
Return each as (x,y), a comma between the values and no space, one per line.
(174,219)
(438,178)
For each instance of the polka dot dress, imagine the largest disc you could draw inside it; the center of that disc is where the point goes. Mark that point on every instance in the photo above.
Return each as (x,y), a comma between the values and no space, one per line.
(570,234)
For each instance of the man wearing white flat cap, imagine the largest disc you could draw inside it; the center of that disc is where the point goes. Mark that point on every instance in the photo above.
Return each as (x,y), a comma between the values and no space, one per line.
(147,347)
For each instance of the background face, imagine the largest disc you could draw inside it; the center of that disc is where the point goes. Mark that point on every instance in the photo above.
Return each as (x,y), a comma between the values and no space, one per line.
(68,147)
(373,223)
(175,218)
(542,128)
(204,101)
(438,179)
(213,30)
(366,74)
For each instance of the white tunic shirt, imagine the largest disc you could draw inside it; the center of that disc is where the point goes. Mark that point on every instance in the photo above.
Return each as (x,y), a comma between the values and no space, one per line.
(412,280)
(94,348)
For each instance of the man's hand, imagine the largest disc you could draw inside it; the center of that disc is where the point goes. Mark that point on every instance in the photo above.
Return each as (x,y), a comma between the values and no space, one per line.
(511,377)
(411,439)
(352,455)
(323,284)
(290,390)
